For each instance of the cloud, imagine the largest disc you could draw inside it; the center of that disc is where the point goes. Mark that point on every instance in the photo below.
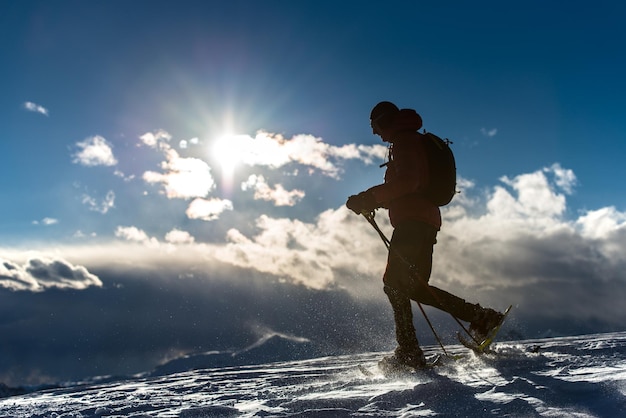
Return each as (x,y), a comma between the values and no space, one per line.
(80,234)
(518,246)
(34,107)
(535,199)
(184,143)
(120,174)
(602,224)
(102,206)
(185,178)
(176,236)
(134,234)
(157,139)
(172,241)
(275,151)
(498,248)
(489,132)
(335,250)
(191,177)
(564,178)
(278,195)
(318,254)
(208,209)
(94,151)
(46,221)
(531,203)
(42,273)
(182,178)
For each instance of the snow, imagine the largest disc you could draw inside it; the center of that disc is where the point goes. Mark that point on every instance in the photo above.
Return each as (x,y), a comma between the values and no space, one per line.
(582,376)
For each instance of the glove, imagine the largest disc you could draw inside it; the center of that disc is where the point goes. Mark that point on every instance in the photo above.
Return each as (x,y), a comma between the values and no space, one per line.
(362,202)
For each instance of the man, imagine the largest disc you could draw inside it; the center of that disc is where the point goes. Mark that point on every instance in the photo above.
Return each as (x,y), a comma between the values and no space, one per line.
(416,222)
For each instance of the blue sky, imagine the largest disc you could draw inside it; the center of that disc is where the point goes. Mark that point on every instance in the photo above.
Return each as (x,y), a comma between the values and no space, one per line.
(218,142)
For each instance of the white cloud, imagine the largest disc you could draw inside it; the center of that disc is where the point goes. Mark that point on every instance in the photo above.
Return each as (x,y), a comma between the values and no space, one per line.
(564,178)
(339,248)
(42,272)
(535,198)
(522,245)
(134,234)
(527,205)
(176,236)
(34,107)
(602,223)
(369,154)
(208,209)
(182,178)
(131,233)
(94,151)
(102,206)
(278,194)
(274,151)
(157,139)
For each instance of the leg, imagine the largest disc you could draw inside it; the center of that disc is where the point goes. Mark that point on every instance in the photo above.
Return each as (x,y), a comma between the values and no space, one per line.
(481,320)
(408,351)
(403,317)
(445,301)
(409,267)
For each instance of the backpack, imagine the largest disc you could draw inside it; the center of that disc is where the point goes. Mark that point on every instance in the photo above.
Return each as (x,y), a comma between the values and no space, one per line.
(442,169)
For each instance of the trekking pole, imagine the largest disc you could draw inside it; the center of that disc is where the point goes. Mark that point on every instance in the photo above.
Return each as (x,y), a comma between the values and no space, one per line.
(370,218)
(433,329)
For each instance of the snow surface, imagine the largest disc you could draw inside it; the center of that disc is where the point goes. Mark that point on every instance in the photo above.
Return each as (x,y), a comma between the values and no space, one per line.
(582,376)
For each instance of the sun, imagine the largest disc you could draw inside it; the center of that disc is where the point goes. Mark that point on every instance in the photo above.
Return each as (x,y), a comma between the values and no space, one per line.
(227,151)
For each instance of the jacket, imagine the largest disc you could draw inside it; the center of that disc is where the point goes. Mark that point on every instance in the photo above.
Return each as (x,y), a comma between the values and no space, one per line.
(406,176)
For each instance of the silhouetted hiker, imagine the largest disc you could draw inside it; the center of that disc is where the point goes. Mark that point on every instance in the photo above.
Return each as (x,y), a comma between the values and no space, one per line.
(416,221)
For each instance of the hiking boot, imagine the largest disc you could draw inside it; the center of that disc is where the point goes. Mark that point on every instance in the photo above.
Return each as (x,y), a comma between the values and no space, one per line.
(484,322)
(413,357)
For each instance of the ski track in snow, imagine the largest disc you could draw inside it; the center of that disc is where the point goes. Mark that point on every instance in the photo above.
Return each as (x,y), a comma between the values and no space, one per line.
(581,376)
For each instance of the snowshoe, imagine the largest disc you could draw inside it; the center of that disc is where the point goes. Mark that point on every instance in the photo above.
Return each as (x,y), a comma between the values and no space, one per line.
(482,345)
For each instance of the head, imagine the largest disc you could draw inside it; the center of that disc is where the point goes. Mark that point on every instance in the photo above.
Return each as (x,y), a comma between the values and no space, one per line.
(381,119)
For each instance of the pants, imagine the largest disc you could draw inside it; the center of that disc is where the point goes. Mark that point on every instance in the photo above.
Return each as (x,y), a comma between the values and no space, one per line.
(409,266)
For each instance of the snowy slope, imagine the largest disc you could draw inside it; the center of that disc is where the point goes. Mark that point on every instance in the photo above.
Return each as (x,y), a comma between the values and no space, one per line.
(576,376)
